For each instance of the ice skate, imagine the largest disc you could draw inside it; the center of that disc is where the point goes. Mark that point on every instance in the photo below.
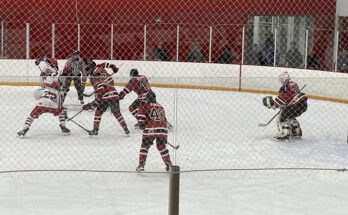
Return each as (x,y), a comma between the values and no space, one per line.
(126,131)
(93,132)
(140,168)
(65,130)
(22,132)
(168,166)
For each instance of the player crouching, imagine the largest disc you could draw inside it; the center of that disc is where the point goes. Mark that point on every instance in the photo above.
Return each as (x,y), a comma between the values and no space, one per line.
(152,120)
(292,103)
(50,101)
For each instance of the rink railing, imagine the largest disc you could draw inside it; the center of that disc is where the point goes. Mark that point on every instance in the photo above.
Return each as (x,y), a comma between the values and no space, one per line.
(253,79)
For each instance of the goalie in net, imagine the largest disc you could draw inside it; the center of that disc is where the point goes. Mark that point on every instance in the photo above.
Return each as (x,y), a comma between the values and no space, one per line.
(292,103)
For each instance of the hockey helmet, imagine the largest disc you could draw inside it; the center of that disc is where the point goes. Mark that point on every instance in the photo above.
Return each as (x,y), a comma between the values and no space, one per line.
(284,77)
(151,97)
(54,62)
(133,72)
(76,52)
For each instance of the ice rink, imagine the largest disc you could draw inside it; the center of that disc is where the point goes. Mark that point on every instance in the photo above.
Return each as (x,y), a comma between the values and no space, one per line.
(216,130)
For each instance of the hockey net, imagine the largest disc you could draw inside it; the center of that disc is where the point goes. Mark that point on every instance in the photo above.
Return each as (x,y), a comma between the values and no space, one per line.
(214,101)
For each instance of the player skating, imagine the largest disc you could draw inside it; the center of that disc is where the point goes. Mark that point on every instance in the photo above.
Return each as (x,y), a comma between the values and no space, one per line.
(152,120)
(292,103)
(140,85)
(50,101)
(106,96)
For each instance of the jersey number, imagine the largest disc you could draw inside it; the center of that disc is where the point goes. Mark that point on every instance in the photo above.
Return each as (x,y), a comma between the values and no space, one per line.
(157,115)
(49,95)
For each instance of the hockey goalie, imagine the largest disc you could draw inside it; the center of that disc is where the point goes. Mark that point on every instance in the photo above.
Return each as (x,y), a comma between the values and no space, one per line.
(292,103)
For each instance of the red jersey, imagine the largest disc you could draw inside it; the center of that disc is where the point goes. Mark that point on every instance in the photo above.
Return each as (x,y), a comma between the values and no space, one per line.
(152,115)
(101,72)
(289,95)
(139,84)
(104,91)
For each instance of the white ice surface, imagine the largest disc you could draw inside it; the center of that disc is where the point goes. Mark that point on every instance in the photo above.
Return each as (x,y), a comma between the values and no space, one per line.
(215,130)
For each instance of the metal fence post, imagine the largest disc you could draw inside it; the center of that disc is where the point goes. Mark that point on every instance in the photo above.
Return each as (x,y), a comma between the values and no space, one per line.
(53,39)
(174,187)
(27,39)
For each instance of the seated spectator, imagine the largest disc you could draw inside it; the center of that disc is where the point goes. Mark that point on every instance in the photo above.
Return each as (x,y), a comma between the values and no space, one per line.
(313,61)
(342,61)
(226,56)
(160,53)
(197,54)
(269,58)
(254,57)
(269,41)
(293,57)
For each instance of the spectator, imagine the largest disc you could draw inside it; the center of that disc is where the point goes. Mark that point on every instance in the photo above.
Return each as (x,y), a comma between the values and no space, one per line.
(313,61)
(226,57)
(197,54)
(269,58)
(160,53)
(293,57)
(268,42)
(254,57)
(342,61)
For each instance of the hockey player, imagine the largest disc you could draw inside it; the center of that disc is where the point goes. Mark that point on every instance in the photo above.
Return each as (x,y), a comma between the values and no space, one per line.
(292,104)
(49,102)
(75,71)
(50,66)
(140,85)
(152,120)
(106,96)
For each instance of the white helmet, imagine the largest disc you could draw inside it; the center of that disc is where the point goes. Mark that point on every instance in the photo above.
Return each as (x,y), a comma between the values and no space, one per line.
(284,77)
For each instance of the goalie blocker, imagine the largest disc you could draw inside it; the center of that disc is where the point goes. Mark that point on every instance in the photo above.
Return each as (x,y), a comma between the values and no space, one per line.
(292,103)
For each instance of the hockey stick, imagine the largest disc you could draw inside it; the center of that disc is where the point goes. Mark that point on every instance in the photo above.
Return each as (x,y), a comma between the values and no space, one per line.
(174,147)
(75,115)
(69,119)
(265,124)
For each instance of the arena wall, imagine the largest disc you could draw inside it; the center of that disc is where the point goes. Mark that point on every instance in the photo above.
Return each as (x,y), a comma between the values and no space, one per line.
(256,79)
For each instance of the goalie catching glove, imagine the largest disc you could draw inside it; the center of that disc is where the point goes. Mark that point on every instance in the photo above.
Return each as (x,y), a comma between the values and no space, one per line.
(268,102)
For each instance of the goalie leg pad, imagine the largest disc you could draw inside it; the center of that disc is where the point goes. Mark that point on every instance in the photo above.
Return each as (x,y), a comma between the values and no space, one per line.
(284,130)
(295,128)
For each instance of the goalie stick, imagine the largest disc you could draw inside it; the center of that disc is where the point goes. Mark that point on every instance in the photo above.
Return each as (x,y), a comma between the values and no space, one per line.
(265,124)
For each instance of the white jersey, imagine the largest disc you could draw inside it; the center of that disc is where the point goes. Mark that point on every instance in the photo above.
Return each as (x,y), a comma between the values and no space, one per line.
(46,70)
(51,96)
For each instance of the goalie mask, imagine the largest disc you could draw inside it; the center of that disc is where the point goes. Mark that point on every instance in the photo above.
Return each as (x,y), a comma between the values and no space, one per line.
(284,77)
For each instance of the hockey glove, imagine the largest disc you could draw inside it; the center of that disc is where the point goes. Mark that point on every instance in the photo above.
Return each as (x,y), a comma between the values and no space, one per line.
(88,106)
(141,126)
(268,102)
(115,69)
